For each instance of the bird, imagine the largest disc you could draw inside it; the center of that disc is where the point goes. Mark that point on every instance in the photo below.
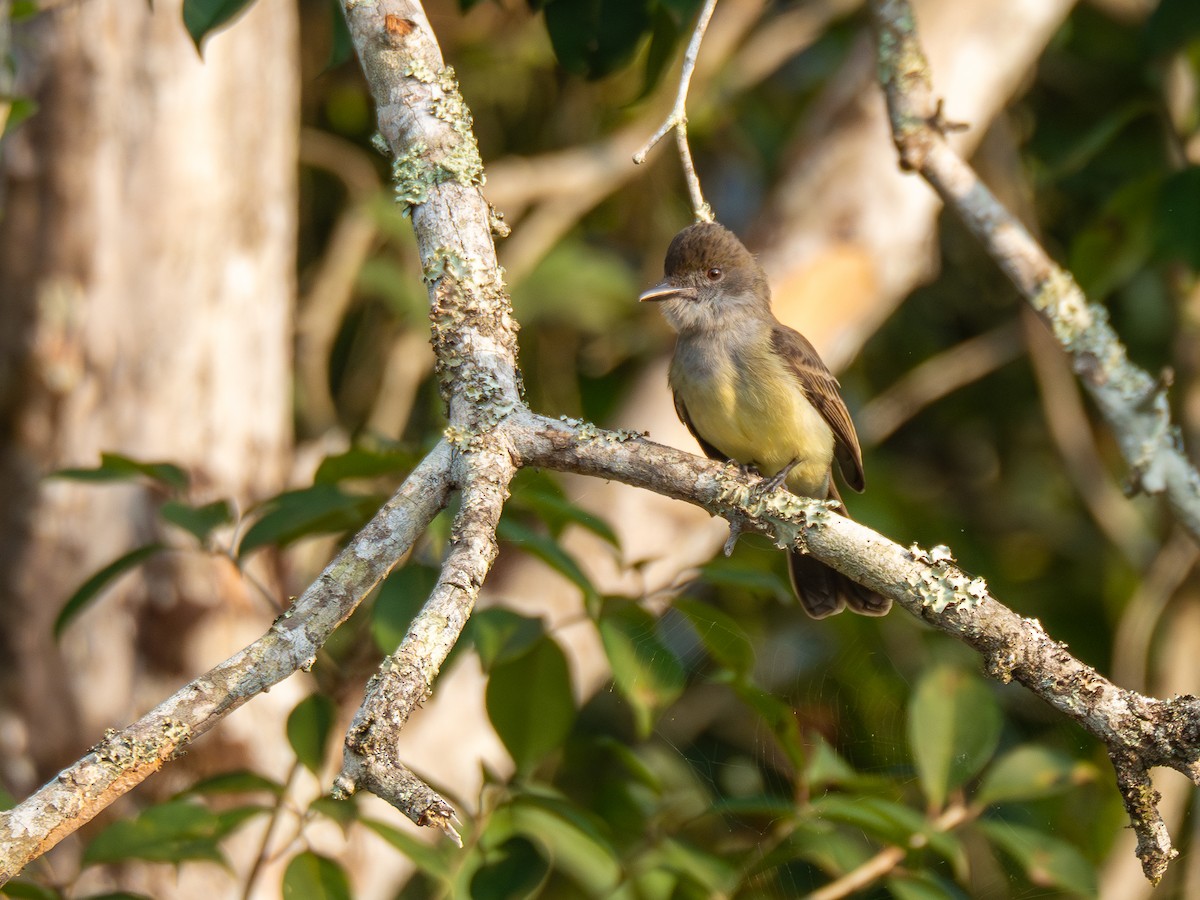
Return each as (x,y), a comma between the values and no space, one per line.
(755,392)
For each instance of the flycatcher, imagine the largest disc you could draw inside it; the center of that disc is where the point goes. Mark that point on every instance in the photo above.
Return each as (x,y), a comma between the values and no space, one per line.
(754,391)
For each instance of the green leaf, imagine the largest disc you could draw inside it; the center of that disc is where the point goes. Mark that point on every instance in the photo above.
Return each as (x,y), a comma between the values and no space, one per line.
(341,47)
(595,37)
(513,871)
(320,509)
(573,840)
(921,886)
(430,859)
(720,634)
(1172,24)
(88,591)
(723,572)
(556,511)
(779,717)
(889,822)
(115,467)
(1046,860)
(826,846)
(199,521)
(1178,216)
(645,670)
(308,728)
(400,598)
(548,551)
(175,831)
(1030,772)
(1118,241)
(501,635)
(826,768)
(27,890)
(716,874)
(530,704)
(953,727)
(363,462)
(13,111)
(313,877)
(239,782)
(201,17)
(23,9)
(343,812)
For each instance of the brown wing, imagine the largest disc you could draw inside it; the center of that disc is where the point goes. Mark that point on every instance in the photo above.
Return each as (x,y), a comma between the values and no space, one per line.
(709,450)
(822,391)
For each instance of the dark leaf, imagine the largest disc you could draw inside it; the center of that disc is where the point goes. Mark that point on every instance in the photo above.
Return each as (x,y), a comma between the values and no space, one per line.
(645,670)
(595,37)
(242,782)
(27,890)
(548,551)
(343,812)
(313,877)
(341,48)
(199,521)
(573,840)
(363,462)
(400,598)
(1046,860)
(201,17)
(1178,216)
(175,831)
(88,591)
(308,728)
(720,634)
(922,886)
(114,467)
(430,859)
(501,635)
(320,509)
(513,871)
(1172,25)
(530,704)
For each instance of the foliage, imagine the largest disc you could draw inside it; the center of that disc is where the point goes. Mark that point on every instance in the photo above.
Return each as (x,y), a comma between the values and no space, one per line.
(741,750)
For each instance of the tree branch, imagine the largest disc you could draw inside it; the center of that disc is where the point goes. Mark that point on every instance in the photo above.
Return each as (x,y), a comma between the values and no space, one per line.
(677,120)
(125,758)
(1134,404)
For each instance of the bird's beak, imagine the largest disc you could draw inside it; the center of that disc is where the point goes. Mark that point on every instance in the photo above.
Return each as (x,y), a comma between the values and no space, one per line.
(664,290)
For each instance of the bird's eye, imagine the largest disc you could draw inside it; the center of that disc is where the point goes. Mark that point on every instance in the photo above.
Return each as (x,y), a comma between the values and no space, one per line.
(715,273)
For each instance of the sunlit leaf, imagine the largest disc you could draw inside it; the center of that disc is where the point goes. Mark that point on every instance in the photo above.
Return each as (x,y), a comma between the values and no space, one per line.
(953,727)
(310,876)
(90,589)
(530,704)
(308,728)
(645,670)
(1030,773)
(14,111)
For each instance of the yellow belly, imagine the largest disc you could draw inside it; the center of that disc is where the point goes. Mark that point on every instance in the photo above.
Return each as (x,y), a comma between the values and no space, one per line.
(755,413)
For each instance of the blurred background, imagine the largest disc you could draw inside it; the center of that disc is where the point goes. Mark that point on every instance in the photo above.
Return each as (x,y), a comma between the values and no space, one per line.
(204,277)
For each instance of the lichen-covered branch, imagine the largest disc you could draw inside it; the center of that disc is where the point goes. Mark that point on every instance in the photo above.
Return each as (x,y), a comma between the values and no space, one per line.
(406,678)
(1140,732)
(1132,402)
(125,758)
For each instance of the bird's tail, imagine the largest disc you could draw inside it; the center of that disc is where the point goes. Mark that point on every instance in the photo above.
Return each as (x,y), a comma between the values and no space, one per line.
(823,591)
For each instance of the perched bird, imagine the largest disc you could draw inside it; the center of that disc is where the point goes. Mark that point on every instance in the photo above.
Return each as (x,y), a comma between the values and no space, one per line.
(754,391)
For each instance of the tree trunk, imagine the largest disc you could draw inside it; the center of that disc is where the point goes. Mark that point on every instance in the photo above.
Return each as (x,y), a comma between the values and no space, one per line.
(146,284)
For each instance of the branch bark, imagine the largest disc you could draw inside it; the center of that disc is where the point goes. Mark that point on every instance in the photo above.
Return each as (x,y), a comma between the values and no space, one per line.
(491,435)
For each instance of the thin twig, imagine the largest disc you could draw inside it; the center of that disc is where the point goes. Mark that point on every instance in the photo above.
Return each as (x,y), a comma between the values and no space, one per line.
(888,858)
(677,120)
(276,814)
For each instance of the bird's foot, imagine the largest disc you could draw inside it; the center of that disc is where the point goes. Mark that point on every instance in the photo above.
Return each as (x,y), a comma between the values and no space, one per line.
(772,484)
